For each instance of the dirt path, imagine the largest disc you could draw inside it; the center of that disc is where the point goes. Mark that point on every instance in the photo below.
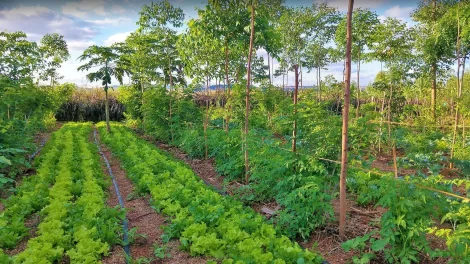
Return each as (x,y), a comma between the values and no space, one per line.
(142,217)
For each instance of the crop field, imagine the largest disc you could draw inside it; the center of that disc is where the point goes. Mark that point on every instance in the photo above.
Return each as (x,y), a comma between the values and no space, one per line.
(233,132)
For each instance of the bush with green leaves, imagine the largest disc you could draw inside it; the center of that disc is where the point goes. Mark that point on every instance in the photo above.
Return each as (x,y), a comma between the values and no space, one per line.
(25,109)
(412,212)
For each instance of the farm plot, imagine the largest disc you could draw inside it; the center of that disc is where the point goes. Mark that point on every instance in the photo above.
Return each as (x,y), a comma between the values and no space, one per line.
(205,222)
(68,195)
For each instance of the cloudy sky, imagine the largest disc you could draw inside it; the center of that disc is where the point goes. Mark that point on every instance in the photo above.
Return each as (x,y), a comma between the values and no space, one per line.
(103,22)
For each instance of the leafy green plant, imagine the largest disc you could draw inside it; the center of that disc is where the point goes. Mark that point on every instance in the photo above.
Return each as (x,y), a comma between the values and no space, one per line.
(297,217)
(403,228)
(75,220)
(161,251)
(205,222)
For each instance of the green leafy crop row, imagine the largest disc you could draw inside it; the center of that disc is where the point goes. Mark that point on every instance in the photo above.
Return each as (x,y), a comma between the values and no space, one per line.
(33,194)
(75,219)
(206,222)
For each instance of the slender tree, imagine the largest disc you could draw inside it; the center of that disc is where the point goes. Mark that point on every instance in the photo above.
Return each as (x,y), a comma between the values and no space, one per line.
(19,58)
(433,45)
(161,19)
(344,140)
(247,92)
(364,25)
(54,52)
(106,58)
(295,25)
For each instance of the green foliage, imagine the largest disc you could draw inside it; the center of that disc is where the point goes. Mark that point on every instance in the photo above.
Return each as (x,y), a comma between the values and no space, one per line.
(457,238)
(19,58)
(412,211)
(205,222)
(155,113)
(68,193)
(54,52)
(24,110)
(306,208)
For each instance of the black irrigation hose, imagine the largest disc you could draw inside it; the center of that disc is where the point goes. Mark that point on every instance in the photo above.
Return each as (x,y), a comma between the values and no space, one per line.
(31,157)
(125,226)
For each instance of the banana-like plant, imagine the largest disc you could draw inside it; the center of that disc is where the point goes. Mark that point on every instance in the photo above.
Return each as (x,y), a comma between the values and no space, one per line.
(110,63)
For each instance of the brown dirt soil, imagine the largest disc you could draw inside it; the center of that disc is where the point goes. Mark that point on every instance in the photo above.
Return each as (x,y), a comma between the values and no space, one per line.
(141,216)
(385,164)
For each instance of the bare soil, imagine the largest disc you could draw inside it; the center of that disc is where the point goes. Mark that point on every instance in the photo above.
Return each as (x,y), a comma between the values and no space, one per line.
(385,164)
(142,217)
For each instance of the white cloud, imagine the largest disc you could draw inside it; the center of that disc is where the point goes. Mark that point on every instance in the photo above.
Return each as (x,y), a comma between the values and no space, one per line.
(38,21)
(119,37)
(342,5)
(110,21)
(84,7)
(399,12)
(117,9)
(27,11)
(79,45)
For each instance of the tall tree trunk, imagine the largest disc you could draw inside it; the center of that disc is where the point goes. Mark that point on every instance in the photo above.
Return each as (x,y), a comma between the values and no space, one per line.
(206,118)
(358,108)
(106,108)
(390,142)
(344,70)
(142,90)
(287,78)
(318,86)
(227,121)
(381,122)
(247,96)
(433,90)
(296,91)
(171,99)
(434,73)
(283,84)
(269,70)
(344,139)
(319,81)
(459,91)
(272,69)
